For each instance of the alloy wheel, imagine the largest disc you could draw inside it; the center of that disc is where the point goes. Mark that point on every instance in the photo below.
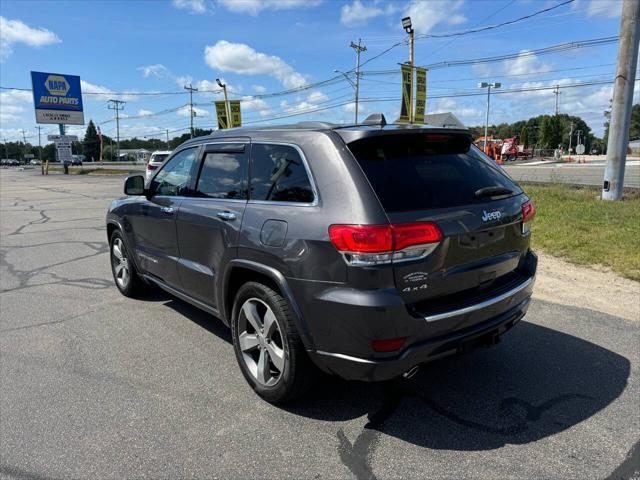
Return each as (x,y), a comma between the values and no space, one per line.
(260,341)
(120,263)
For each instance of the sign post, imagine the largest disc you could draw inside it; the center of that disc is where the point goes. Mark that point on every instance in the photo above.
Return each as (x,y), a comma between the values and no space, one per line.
(221,112)
(421,94)
(57,98)
(407,93)
(63,147)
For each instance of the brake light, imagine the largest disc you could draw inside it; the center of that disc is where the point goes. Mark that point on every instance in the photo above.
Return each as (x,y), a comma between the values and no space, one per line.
(380,244)
(388,345)
(528,213)
(361,238)
(151,167)
(419,233)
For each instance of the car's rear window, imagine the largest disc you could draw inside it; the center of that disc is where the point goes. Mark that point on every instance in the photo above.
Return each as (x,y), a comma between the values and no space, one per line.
(423,171)
(159,158)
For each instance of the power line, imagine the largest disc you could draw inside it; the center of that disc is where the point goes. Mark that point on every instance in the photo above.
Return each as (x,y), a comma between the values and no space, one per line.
(491,27)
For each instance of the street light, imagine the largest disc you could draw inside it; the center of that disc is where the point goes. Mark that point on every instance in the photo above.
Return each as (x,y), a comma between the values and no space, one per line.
(406,24)
(488,86)
(226,101)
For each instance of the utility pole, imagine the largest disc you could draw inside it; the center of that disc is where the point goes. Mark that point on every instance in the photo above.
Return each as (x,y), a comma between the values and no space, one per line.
(570,138)
(557,93)
(40,149)
(167,138)
(191,115)
(622,99)
(227,110)
(359,48)
(406,24)
(117,105)
(24,146)
(486,121)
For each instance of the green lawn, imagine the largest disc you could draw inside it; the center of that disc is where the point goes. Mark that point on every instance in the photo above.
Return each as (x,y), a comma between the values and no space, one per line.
(574,224)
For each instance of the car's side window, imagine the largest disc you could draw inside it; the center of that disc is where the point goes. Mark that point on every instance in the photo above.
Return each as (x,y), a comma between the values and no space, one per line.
(173,179)
(223,175)
(279,174)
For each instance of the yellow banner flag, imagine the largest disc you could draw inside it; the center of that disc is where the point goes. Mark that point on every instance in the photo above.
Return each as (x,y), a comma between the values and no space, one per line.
(421,94)
(236,117)
(407,93)
(221,113)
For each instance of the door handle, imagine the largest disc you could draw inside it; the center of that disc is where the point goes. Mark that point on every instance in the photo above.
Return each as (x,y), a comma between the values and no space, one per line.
(167,210)
(226,215)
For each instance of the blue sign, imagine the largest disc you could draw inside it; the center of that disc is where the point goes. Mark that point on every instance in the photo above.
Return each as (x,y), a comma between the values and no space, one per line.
(57,98)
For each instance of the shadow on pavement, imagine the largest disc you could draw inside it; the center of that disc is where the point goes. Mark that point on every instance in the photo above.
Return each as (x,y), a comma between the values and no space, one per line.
(535,383)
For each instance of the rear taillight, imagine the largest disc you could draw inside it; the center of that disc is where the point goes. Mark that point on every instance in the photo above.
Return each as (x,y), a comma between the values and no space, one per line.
(151,167)
(528,212)
(380,244)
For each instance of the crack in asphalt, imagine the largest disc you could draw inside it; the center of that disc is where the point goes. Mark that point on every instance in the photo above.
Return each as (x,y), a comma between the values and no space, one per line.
(358,456)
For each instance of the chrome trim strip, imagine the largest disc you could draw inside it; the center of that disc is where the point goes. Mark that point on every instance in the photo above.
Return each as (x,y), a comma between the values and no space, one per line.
(481,305)
(345,357)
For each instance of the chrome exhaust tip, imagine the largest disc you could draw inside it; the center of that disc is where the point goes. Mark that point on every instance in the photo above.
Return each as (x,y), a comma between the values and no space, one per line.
(411,372)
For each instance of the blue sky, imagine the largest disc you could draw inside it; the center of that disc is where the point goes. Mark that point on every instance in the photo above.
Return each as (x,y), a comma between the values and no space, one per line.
(262,47)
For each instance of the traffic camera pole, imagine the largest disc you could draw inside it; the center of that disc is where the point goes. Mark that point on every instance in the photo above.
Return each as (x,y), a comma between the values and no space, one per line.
(622,100)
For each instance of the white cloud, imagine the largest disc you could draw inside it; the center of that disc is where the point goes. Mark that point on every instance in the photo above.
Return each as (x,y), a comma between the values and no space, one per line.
(15,31)
(199,112)
(242,59)
(358,13)
(15,96)
(157,70)
(144,113)
(254,7)
(105,93)
(317,96)
(251,104)
(604,8)
(259,89)
(11,105)
(426,15)
(10,113)
(193,6)
(524,64)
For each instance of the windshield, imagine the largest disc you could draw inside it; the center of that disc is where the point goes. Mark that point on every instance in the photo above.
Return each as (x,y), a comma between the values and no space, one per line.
(423,171)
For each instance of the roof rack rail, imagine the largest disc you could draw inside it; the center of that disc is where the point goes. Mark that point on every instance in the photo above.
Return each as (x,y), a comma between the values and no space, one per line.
(312,124)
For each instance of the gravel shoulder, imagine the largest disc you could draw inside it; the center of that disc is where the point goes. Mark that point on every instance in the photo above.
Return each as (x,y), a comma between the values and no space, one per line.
(596,288)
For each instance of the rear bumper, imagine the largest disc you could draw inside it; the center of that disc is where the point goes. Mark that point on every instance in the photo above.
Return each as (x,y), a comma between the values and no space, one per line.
(343,322)
(373,370)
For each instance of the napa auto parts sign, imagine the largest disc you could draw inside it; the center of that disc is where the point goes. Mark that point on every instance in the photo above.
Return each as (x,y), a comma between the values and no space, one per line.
(57,98)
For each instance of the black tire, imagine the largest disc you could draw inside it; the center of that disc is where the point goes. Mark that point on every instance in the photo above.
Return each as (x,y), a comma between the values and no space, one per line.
(298,374)
(134,286)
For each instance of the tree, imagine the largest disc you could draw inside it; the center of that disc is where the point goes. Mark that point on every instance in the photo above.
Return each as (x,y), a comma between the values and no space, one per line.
(634,128)
(524,136)
(551,131)
(91,143)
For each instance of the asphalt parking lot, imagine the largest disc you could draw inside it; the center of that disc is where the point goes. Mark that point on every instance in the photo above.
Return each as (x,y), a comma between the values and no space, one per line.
(95,385)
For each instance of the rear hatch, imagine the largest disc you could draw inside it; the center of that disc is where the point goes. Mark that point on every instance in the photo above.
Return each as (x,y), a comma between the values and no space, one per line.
(438,176)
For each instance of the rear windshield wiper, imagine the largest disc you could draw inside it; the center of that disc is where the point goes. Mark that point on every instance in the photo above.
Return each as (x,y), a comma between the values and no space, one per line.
(493,191)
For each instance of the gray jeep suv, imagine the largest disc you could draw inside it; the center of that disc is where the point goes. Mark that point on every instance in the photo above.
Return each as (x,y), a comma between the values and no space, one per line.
(362,250)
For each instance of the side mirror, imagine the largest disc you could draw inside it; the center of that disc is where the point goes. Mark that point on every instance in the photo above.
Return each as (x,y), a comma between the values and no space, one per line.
(134,185)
